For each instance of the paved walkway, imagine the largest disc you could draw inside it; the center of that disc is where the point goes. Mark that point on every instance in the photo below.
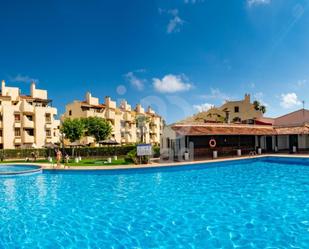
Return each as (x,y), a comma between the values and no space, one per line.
(154,165)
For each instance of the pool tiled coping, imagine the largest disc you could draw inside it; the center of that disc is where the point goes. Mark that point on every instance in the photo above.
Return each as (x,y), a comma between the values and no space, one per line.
(156,165)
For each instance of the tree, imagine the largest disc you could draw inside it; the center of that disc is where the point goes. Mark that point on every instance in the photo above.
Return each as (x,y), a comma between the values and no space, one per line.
(73,129)
(263,109)
(258,107)
(98,128)
(141,124)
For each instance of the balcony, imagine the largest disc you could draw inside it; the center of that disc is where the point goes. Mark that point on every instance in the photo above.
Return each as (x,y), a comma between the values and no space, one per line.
(128,128)
(110,114)
(127,117)
(127,138)
(17,124)
(28,139)
(27,123)
(48,140)
(17,140)
(26,107)
(48,125)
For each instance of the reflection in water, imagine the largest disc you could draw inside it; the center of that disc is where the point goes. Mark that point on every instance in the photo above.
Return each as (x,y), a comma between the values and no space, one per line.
(41,187)
(10,192)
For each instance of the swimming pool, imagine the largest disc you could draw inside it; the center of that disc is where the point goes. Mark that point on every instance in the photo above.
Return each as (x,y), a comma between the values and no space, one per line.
(258,203)
(9,170)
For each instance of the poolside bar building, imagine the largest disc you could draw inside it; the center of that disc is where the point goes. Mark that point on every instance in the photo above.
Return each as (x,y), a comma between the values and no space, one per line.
(289,133)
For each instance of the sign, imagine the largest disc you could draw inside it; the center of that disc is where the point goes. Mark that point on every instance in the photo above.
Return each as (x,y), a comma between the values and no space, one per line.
(144,150)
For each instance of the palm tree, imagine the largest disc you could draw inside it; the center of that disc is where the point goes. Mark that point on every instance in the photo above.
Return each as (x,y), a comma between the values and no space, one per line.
(258,107)
(263,109)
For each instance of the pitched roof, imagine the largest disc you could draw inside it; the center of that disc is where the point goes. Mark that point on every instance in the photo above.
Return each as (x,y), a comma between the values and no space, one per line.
(298,117)
(293,130)
(223,129)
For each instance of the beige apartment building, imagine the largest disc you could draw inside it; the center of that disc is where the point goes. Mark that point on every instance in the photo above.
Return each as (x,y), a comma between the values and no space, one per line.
(123,119)
(26,121)
(230,112)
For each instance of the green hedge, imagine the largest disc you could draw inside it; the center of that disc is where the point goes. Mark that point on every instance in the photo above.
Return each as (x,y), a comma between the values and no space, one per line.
(100,151)
(83,152)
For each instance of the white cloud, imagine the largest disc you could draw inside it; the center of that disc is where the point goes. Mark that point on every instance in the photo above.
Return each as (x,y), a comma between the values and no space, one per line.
(203,107)
(175,23)
(252,3)
(289,100)
(171,83)
(135,81)
(216,94)
(23,79)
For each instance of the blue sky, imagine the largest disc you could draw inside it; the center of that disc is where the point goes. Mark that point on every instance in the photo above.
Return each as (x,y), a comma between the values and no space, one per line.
(179,56)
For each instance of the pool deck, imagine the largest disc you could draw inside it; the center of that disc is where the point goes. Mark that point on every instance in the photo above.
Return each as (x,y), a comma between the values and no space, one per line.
(155,165)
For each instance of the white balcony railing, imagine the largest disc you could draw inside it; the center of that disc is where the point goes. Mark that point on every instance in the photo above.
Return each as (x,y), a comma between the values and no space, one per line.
(26,107)
(27,123)
(110,114)
(28,138)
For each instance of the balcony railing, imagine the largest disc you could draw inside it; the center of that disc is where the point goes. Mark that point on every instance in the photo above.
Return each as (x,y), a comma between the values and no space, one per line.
(28,138)
(27,123)
(110,114)
(26,107)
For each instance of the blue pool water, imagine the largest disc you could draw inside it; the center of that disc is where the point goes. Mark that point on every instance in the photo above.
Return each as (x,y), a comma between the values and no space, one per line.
(248,204)
(16,168)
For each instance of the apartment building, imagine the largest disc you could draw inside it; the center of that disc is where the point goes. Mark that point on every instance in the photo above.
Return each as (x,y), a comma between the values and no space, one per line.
(123,118)
(26,121)
(230,112)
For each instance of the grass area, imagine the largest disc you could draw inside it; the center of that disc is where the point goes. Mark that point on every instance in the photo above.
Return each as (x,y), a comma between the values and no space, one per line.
(84,162)
(97,162)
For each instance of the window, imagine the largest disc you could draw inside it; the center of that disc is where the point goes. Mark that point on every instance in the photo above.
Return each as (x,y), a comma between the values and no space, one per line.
(168,143)
(17,117)
(17,132)
(236,109)
(70,112)
(48,118)
(1,134)
(48,133)
(29,117)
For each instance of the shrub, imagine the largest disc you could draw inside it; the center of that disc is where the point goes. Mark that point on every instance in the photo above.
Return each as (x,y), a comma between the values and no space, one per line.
(132,157)
(156,151)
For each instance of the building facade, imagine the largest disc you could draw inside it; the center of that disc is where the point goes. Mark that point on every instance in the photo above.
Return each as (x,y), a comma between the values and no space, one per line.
(230,112)
(126,129)
(27,120)
(288,133)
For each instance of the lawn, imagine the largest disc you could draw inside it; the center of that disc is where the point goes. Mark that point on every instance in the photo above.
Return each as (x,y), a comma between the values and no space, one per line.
(84,162)
(97,162)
